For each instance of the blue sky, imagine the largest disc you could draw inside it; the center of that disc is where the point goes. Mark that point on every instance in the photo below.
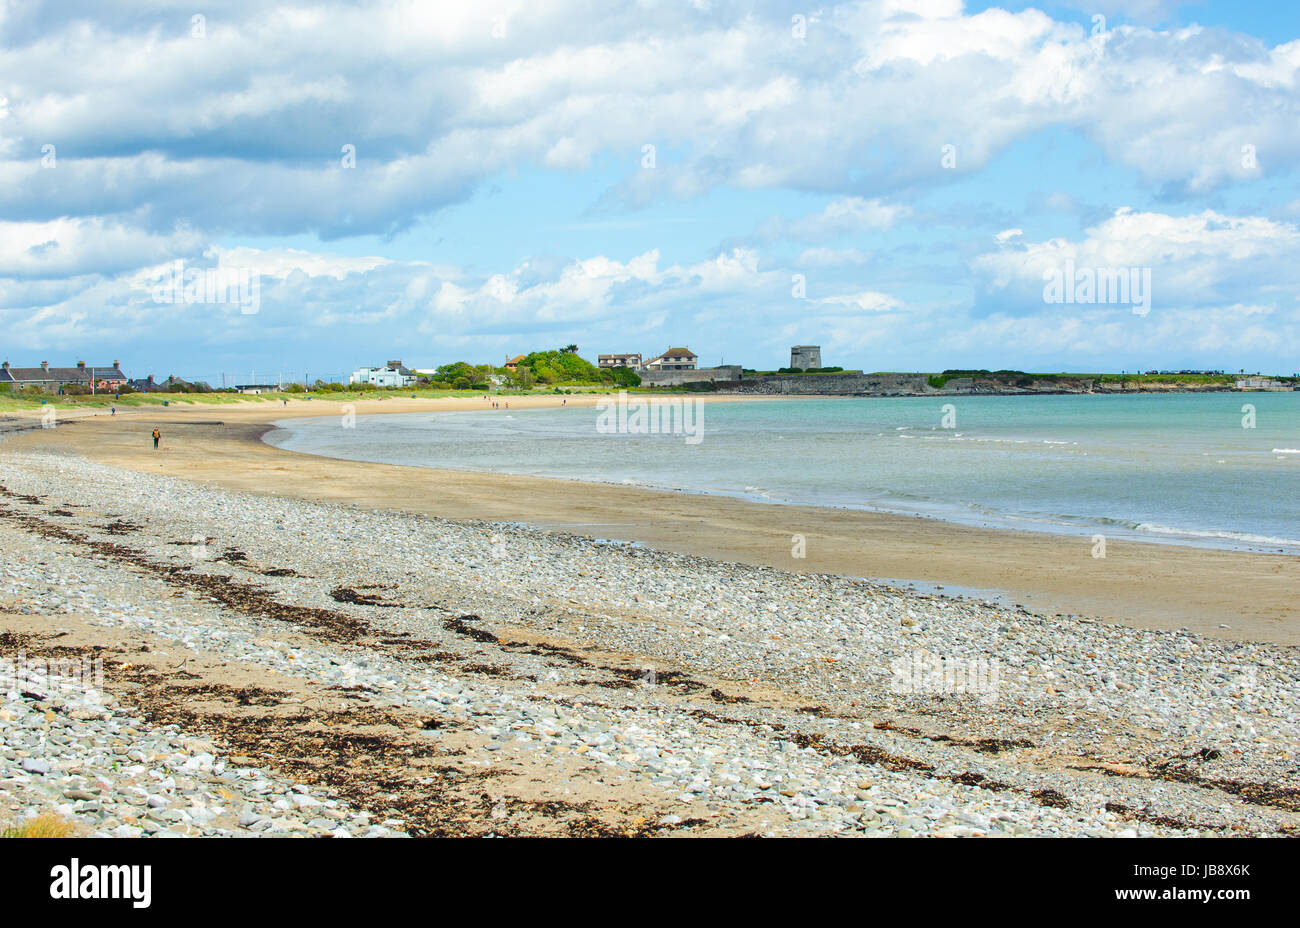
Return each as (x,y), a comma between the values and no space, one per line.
(891,180)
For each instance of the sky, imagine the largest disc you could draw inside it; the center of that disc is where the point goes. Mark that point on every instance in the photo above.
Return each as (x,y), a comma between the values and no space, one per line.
(896,181)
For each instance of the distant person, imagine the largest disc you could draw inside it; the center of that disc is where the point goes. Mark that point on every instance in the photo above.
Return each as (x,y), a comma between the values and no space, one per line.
(112,410)
(156,435)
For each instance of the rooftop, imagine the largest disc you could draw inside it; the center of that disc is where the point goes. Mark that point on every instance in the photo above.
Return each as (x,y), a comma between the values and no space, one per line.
(82,373)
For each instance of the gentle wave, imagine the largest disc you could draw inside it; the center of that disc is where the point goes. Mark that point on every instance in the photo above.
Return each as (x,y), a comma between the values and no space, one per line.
(1243,537)
(1144,468)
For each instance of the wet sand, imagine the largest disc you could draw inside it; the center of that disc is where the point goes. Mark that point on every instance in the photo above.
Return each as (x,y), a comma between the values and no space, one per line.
(1257,596)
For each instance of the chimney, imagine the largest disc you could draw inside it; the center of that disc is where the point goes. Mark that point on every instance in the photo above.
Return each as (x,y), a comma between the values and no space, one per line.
(115,364)
(81,365)
(45,365)
(6,365)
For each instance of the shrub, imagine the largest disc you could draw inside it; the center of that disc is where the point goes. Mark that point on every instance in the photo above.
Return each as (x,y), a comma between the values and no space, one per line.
(624,376)
(550,367)
(45,825)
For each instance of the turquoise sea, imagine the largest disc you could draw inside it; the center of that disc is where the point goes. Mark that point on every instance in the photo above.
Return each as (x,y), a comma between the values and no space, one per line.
(1178,468)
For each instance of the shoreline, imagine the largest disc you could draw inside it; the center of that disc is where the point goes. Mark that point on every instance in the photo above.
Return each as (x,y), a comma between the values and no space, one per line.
(403,673)
(999,522)
(1138,584)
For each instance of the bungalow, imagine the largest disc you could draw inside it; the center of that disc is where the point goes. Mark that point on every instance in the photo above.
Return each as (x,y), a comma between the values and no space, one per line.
(52,379)
(257,388)
(392,374)
(674,359)
(513,363)
(632,361)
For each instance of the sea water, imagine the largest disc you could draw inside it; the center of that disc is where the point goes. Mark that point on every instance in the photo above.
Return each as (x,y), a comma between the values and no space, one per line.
(1217,469)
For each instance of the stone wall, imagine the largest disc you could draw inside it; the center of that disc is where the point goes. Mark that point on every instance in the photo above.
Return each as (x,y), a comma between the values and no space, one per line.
(718,375)
(831,385)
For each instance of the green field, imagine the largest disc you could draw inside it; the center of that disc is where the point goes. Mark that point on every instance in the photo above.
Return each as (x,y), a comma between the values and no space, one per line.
(11,402)
(1024,378)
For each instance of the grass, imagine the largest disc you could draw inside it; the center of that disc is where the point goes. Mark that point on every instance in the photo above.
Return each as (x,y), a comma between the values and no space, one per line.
(28,401)
(15,402)
(799,373)
(45,825)
(1167,378)
(938,380)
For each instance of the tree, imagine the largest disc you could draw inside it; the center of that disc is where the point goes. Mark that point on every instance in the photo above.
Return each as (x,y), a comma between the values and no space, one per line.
(551,367)
(570,349)
(625,376)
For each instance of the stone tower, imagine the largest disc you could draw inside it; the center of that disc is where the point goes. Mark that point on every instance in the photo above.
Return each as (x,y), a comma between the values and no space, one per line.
(806,356)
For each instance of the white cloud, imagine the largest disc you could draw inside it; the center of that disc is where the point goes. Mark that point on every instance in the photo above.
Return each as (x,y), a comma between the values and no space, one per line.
(281,262)
(168,144)
(1201,259)
(832,257)
(868,300)
(242,130)
(845,216)
(69,247)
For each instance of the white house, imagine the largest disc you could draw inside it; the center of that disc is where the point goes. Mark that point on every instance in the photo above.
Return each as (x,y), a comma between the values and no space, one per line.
(674,359)
(1260,383)
(392,374)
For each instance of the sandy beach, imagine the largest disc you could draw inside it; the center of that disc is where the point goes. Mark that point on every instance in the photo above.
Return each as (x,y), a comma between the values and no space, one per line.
(651,420)
(270,665)
(1225,594)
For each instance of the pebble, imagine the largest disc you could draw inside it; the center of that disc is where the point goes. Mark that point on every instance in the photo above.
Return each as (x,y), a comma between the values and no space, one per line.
(1069,685)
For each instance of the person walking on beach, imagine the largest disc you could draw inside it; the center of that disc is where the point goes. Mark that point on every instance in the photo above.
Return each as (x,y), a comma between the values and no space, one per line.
(156,435)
